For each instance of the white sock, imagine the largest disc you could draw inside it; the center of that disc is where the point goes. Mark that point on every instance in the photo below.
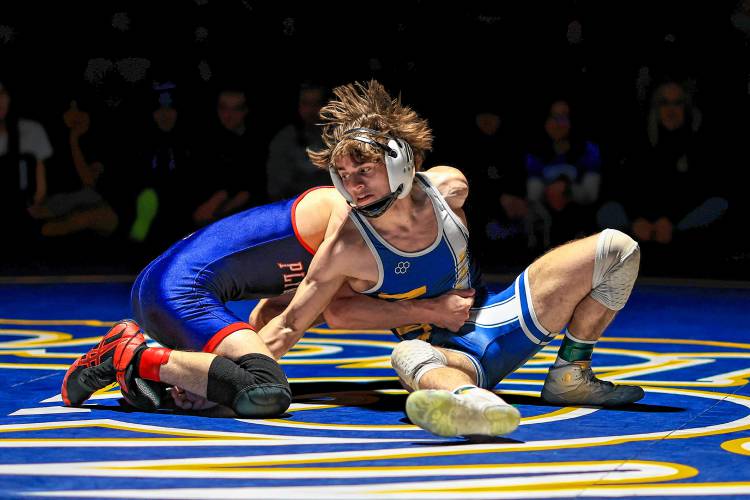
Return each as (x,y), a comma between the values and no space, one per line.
(478,392)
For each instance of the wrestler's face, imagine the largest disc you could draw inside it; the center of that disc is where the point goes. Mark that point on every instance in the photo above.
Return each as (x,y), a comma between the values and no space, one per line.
(365,182)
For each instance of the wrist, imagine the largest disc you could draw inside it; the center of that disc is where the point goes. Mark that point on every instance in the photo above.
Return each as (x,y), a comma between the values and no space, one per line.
(420,310)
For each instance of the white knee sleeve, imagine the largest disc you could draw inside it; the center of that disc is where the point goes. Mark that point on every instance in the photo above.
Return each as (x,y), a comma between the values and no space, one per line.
(615,268)
(413,358)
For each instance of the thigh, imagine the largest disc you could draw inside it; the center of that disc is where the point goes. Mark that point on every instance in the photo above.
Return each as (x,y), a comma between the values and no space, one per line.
(502,333)
(560,279)
(240,343)
(178,316)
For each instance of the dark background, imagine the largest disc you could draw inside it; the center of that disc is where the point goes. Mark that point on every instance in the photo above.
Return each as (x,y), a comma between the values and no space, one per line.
(447,60)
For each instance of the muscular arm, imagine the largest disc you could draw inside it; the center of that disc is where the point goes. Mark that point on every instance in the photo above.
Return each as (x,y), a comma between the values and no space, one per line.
(328,272)
(267,309)
(351,310)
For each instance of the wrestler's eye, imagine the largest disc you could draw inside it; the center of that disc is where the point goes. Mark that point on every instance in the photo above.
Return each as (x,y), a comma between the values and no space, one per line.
(365,170)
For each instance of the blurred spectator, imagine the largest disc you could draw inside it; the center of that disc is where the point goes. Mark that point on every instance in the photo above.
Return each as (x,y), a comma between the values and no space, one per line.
(494,167)
(741,18)
(165,199)
(24,149)
(232,161)
(667,188)
(83,208)
(289,170)
(564,176)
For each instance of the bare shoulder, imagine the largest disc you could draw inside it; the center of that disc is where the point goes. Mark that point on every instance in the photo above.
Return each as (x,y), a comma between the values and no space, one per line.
(451,183)
(345,252)
(344,243)
(324,196)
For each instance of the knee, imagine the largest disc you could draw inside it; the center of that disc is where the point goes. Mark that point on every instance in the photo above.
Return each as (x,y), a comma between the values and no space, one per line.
(413,358)
(254,387)
(616,262)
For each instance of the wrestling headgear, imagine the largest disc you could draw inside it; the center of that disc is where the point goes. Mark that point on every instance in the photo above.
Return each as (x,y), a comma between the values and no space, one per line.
(399,164)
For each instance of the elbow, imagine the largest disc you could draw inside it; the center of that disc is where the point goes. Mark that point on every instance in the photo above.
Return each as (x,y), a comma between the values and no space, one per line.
(334,315)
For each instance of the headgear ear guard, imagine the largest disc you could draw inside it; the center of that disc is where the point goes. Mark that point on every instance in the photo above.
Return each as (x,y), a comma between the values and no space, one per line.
(399,164)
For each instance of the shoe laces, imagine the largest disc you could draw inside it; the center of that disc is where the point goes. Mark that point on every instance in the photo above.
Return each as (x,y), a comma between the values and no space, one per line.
(589,376)
(99,376)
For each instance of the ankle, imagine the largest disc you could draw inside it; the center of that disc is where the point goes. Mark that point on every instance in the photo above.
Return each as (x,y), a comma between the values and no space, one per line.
(574,350)
(149,362)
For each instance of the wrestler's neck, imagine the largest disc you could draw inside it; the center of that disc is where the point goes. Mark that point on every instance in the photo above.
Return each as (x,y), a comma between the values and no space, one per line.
(406,212)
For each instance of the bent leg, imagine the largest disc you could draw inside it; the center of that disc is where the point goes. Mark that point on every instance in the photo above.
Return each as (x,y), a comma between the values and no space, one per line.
(240,374)
(582,285)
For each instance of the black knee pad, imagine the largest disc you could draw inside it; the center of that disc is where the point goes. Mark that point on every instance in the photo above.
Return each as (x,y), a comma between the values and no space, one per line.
(254,386)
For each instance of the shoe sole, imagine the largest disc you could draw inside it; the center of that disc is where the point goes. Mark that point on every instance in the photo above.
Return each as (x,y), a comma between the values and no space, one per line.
(439,413)
(625,397)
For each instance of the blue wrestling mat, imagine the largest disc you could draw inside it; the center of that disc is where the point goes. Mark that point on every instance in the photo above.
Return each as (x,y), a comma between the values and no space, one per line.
(346,435)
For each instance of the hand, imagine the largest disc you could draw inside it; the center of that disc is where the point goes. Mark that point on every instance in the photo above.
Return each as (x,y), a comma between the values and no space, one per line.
(207,210)
(188,401)
(515,207)
(452,309)
(643,229)
(556,195)
(76,120)
(40,211)
(663,230)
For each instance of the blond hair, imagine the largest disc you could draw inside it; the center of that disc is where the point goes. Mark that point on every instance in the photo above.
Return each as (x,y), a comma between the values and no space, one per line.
(369,106)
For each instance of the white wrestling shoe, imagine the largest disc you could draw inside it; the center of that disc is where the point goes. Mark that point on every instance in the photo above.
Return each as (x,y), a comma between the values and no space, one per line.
(469,414)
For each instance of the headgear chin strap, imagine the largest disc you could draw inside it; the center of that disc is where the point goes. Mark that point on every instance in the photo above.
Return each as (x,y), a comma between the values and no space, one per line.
(399,164)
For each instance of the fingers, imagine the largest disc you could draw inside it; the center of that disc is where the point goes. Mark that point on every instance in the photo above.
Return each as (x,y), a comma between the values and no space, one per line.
(463,292)
(180,399)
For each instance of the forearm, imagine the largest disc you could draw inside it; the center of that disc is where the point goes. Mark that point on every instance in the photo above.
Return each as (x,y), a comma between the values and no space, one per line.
(279,337)
(41,183)
(362,312)
(84,171)
(236,201)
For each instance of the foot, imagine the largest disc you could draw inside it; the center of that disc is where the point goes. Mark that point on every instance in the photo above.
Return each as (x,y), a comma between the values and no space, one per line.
(95,370)
(141,393)
(576,385)
(447,414)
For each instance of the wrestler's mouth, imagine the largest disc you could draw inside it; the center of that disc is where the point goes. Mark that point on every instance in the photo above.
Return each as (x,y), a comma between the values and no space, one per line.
(365,198)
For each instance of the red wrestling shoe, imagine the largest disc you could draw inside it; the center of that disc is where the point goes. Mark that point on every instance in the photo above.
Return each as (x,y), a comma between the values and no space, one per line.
(95,370)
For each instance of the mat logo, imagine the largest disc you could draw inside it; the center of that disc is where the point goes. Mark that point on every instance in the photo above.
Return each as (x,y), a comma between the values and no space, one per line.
(402,267)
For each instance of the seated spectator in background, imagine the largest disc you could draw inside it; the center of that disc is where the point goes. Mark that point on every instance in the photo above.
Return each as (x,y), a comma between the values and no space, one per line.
(165,199)
(289,170)
(667,187)
(24,149)
(83,207)
(494,168)
(231,162)
(564,176)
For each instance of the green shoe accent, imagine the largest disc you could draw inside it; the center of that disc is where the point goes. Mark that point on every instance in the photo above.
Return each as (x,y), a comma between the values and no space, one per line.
(146,207)
(570,350)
